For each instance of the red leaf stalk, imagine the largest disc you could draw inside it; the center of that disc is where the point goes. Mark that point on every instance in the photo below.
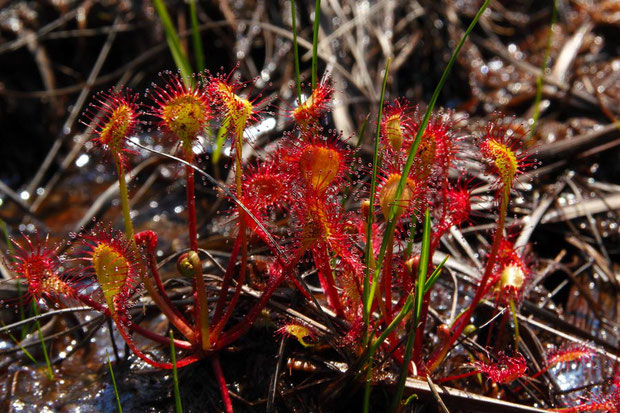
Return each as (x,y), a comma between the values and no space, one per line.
(326,277)
(221,381)
(460,324)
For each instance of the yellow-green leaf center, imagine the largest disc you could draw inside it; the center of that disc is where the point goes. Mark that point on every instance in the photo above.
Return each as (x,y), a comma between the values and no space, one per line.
(387,196)
(504,160)
(319,166)
(185,117)
(394,133)
(117,127)
(112,271)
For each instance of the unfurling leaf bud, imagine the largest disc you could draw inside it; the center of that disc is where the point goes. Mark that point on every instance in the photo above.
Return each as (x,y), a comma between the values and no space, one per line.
(187,263)
(412,265)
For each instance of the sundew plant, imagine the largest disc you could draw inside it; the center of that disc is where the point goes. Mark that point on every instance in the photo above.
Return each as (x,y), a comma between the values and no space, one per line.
(349,248)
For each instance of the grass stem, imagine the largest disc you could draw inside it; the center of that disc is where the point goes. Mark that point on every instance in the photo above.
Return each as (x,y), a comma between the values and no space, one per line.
(178,407)
(296,51)
(391,221)
(178,54)
(116,395)
(315,41)
(369,251)
(196,39)
(50,372)
(420,290)
(515,319)
(374,346)
(539,79)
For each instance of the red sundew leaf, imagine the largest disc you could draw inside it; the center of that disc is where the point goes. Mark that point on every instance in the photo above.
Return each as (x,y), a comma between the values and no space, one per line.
(308,114)
(458,199)
(183,111)
(116,264)
(397,126)
(501,149)
(411,199)
(146,239)
(237,111)
(114,116)
(265,187)
(607,403)
(568,353)
(318,163)
(39,265)
(510,274)
(438,144)
(505,370)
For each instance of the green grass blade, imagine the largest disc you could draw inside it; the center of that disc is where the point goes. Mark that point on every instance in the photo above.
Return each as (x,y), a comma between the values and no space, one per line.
(410,399)
(222,132)
(50,372)
(373,187)
(178,408)
(118,399)
(539,79)
(17,342)
(196,39)
(315,41)
(395,322)
(420,290)
(366,402)
(5,232)
(22,312)
(515,319)
(391,222)
(412,153)
(296,51)
(404,371)
(423,266)
(368,358)
(435,275)
(178,54)
(360,135)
